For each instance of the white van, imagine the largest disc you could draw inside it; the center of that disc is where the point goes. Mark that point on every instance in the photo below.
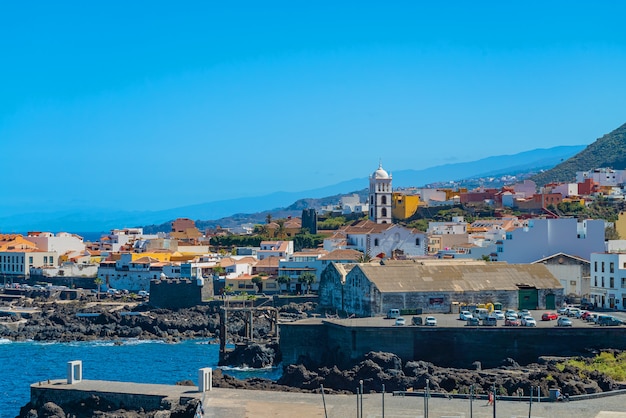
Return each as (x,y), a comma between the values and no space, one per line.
(481,313)
(393,313)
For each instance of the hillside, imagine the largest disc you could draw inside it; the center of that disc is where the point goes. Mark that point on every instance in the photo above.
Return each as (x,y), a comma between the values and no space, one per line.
(607,151)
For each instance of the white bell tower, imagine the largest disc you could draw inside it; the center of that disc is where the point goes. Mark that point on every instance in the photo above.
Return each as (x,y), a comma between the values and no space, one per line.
(380,196)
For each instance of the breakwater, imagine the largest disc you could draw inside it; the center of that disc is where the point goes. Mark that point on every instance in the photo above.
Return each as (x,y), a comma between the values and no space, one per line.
(341,342)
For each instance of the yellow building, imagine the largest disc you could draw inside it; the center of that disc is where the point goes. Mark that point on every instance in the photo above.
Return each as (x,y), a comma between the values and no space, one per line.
(404,206)
(620,225)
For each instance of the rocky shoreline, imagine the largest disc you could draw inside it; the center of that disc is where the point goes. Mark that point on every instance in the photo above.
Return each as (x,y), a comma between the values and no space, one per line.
(76,321)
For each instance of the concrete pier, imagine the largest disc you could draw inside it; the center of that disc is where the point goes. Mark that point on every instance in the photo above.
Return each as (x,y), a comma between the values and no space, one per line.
(124,395)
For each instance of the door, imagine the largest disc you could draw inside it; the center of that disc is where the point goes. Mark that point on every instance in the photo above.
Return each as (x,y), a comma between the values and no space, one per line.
(550,301)
(528,298)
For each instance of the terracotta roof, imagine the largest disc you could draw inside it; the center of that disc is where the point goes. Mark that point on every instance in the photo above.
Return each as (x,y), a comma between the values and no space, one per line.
(454,277)
(271,261)
(367,227)
(343,255)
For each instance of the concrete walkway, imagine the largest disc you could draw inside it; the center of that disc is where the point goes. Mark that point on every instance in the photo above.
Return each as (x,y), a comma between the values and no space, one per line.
(237,403)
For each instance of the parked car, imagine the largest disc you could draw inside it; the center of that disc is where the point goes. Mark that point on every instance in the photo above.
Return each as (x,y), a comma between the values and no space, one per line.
(510,312)
(588,306)
(549,316)
(465,315)
(143,294)
(512,322)
(585,315)
(563,321)
(490,321)
(510,315)
(473,322)
(529,321)
(592,317)
(393,313)
(573,312)
(430,321)
(606,320)
(498,314)
(481,313)
(400,321)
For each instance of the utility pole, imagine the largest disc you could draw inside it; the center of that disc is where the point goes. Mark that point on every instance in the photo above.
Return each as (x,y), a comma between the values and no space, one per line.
(361,385)
(471,399)
(530,405)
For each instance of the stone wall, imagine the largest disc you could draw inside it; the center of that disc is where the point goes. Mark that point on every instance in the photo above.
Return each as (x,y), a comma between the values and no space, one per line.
(451,347)
(179,293)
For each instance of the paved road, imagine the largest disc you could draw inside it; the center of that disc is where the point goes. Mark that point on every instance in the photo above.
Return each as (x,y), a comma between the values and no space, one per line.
(232,403)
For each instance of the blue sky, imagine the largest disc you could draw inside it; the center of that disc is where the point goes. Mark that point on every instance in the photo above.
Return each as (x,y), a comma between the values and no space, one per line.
(153,105)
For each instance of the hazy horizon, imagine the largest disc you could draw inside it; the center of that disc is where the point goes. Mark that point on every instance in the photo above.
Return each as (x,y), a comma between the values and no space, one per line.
(143,106)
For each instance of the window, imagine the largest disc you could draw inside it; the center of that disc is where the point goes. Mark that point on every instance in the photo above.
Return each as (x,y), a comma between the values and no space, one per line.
(45,259)
(417,242)
(51,258)
(595,266)
(384,212)
(623,282)
(602,281)
(603,267)
(376,242)
(611,282)
(383,200)
(595,281)
(30,259)
(612,267)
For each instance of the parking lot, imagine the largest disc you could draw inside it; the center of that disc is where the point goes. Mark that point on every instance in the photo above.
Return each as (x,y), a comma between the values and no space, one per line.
(452,320)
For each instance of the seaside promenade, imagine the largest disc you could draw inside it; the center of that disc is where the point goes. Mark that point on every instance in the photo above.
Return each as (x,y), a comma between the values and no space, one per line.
(238,403)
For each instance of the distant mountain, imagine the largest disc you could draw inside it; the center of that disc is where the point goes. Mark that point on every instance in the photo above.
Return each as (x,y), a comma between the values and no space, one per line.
(607,151)
(528,161)
(104,220)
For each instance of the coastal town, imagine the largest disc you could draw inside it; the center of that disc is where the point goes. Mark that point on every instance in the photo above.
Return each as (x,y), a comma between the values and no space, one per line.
(583,258)
(373,269)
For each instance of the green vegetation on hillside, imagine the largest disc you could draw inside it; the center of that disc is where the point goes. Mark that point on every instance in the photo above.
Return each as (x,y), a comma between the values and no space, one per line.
(608,151)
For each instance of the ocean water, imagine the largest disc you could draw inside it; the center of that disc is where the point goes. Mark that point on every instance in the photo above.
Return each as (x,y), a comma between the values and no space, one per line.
(24,363)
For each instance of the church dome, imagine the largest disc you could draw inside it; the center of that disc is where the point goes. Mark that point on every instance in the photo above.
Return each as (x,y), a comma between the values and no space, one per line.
(380,173)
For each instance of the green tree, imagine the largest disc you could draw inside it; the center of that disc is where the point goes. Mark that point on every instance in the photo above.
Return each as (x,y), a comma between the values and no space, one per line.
(98,282)
(258,281)
(364,258)
(284,280)
(307,278)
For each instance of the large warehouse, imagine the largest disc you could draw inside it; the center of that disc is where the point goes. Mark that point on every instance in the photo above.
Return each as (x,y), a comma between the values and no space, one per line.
(436,286)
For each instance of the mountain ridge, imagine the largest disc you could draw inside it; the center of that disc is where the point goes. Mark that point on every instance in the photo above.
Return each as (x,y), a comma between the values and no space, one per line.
(104,220)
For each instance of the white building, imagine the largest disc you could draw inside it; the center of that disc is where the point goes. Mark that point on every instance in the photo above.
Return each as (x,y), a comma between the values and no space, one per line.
(380,196)
(280,249)
(608,280)
(540,238)
(19,262)
(603,176)
(375,239)
(457,226)
(135,275)
(60,243)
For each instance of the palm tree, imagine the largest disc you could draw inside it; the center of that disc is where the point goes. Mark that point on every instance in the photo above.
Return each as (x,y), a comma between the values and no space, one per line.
(281,232)
(307,278)
(364,258)
(98,282)
(284,279)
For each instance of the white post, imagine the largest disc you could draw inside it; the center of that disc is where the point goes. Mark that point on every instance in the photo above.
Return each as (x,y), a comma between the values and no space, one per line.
(205,379)
(74,371)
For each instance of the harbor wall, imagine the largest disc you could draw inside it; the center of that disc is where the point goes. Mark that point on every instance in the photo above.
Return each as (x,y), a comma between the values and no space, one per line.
(331,343)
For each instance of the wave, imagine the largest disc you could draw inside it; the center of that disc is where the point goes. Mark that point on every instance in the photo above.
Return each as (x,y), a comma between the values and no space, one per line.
(5,341)
(250,369)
